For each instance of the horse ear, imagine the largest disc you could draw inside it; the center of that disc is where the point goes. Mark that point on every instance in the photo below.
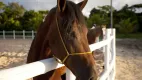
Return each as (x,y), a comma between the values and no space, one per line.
(82,4)
(61,5)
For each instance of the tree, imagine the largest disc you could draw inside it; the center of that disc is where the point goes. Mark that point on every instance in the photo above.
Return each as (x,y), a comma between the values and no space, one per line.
(136,6)
(10,16)
(2,5)
(96,19)
(94,11)
(123,14)
(31,20)
(105,9)
(100,16)
(126,26)
(14,10)
(139,15)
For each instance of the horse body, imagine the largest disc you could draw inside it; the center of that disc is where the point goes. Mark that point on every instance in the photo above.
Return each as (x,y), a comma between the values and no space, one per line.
(64,32)
(94,33)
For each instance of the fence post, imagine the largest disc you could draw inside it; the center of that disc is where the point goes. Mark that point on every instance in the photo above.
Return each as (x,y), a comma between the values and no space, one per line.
(69,75)
(3,34)
(104,37)
(23,34)
(13,34)
(114,52)
(32,34)
(107,52)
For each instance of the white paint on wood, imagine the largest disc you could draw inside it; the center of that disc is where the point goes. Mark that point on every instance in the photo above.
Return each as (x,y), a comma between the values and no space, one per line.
(70,75)
(13,34)
(100,44)
(3,34)
(23,34)
(29,70)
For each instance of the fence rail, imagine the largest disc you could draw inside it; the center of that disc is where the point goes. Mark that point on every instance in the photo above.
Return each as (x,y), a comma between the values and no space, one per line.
(29,70)
(17,34)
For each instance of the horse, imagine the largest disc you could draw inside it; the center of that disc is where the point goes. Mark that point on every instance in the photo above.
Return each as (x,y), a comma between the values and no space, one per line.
(63,35)
(92,36)
(94,33)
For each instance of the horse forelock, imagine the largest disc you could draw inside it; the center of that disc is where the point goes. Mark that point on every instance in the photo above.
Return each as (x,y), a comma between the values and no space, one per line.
(71,14)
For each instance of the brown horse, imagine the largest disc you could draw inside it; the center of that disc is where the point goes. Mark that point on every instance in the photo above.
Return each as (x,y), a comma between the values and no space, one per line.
(92,36)
(63,34)
(94,33)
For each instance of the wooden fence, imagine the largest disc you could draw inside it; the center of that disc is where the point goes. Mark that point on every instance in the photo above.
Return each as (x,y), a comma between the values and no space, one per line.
(40,67)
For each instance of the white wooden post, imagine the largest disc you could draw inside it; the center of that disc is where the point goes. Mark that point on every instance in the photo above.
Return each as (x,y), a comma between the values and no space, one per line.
(104,37)
(32,34)
(69,75)
(30,70)
(3,34)
(23,34)
(114,52)
(107,52)
(13,34)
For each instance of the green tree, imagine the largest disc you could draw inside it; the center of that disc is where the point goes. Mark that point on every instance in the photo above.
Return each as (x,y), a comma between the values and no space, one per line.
(124,15)
(10,16)
(126,26)
(31,20)
(2,5)
(139,15)
(94,11)
(14,10)
(96,19)
(100,16)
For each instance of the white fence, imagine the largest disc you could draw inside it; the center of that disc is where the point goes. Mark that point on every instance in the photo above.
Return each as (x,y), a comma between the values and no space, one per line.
(17,34)
(40,67)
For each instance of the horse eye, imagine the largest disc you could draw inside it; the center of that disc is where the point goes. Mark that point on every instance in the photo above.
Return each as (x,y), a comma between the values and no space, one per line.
(73,34)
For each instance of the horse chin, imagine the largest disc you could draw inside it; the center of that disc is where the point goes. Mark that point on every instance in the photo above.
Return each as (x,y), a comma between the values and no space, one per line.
(84,77)
(91,78)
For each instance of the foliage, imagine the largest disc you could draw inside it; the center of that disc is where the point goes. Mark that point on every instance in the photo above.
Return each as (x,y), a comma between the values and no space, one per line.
(126,20)
(131,35)
(99,16)
(29,18)
(14,17)
(126,26)
(136,6)
(14,10)
(2,5)
(97,19)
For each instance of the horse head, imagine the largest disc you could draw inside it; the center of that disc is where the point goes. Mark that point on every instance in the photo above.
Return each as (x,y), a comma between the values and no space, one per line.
(67,38)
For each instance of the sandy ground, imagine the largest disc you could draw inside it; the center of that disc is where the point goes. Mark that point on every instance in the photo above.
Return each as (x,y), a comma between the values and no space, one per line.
(13,52)
(128,60)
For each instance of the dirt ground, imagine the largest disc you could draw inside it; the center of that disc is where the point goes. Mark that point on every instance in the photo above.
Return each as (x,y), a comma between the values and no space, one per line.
(128,60)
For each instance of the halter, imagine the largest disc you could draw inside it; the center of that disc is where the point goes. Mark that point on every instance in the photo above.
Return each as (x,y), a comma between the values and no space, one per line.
(63,61)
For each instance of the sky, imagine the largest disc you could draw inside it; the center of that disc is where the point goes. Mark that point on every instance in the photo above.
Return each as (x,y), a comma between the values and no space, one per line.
(48,4)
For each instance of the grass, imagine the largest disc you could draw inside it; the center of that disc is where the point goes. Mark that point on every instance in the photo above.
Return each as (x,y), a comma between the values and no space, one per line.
(130,36)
